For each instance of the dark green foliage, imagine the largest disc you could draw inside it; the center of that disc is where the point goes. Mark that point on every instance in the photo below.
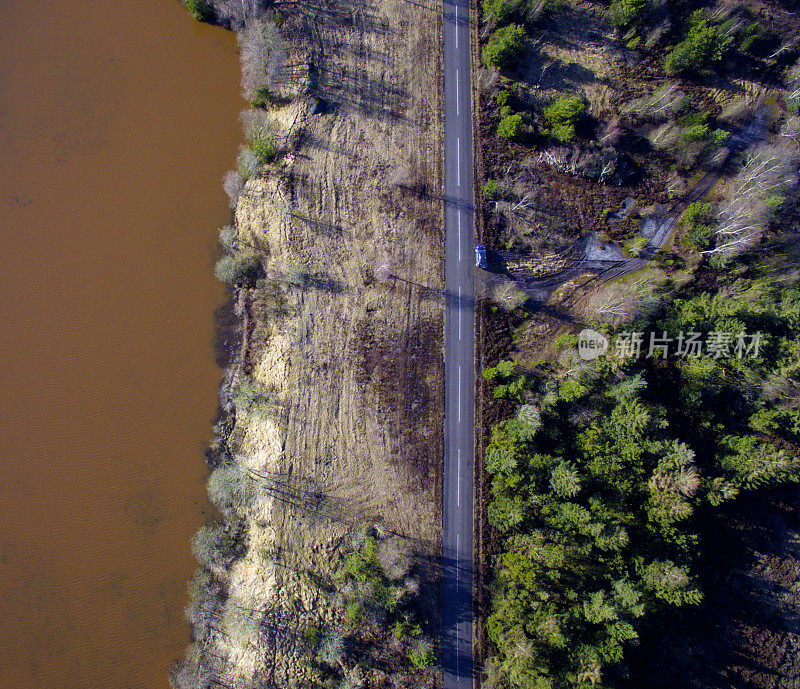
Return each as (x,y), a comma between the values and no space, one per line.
(510,128)
(502,98)
(753,463)
(698,225)
(489,190)
(706,43)
(747,37)
(508,380)
(238,269)
(626,13)
(563,115)
(264,149)
(201,10)
(263,97)
(500,11)
(599,514)
(504,47)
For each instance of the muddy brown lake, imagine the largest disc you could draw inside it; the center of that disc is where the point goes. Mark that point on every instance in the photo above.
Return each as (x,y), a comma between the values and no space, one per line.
(117,122)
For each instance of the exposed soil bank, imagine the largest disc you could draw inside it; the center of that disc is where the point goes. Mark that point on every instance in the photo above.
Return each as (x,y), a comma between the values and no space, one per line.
(118,121)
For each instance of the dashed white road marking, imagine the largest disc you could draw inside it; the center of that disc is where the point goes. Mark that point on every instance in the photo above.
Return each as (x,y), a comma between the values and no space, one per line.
(458,161)
(458,215)
(458,481)
(459,394)
(456,87)
(456,26)
(459,312)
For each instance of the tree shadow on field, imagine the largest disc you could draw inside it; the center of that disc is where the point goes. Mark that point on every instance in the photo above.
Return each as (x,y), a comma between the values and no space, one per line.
(320,144)
(327,229)
(358,14)
(555,75)
(306,495)
(360,90)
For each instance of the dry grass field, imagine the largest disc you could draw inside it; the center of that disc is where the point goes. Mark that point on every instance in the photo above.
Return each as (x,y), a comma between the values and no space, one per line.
(348,228)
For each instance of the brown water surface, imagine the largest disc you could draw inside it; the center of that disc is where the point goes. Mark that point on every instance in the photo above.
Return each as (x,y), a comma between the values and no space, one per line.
(117,121)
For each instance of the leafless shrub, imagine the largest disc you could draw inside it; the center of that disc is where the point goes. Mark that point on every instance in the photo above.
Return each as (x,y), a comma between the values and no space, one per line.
(658,32)
(233,184)
(534,10)
(331,649)
(622,302)
(236,13)
(677,185)
(231,488)
(738,112)
(394,558)
(410,587)
(571,365)
(406,176)
(242,622)
(213,546)
(665,137)
(781,389)
(487,81)
(261,53)
(508,296)
(200,583)
(660,105)
(229,239)
(611,132)
(581,416)
(791,129)
(338,601)
(186,674)
(246,163)
(793,82)
(257,125)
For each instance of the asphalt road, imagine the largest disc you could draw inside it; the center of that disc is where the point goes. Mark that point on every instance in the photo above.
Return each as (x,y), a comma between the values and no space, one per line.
(457,612)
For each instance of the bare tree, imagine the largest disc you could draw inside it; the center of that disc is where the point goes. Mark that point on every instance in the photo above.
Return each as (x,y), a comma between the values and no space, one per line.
(621,302)
(793,82)
(755,194)
(231,488)
(611,133)
(257,125)
(237,13)
(666,136)
(233,184)
(246,163)
(242,622)
(261,54)
(509,296)
(394,558)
